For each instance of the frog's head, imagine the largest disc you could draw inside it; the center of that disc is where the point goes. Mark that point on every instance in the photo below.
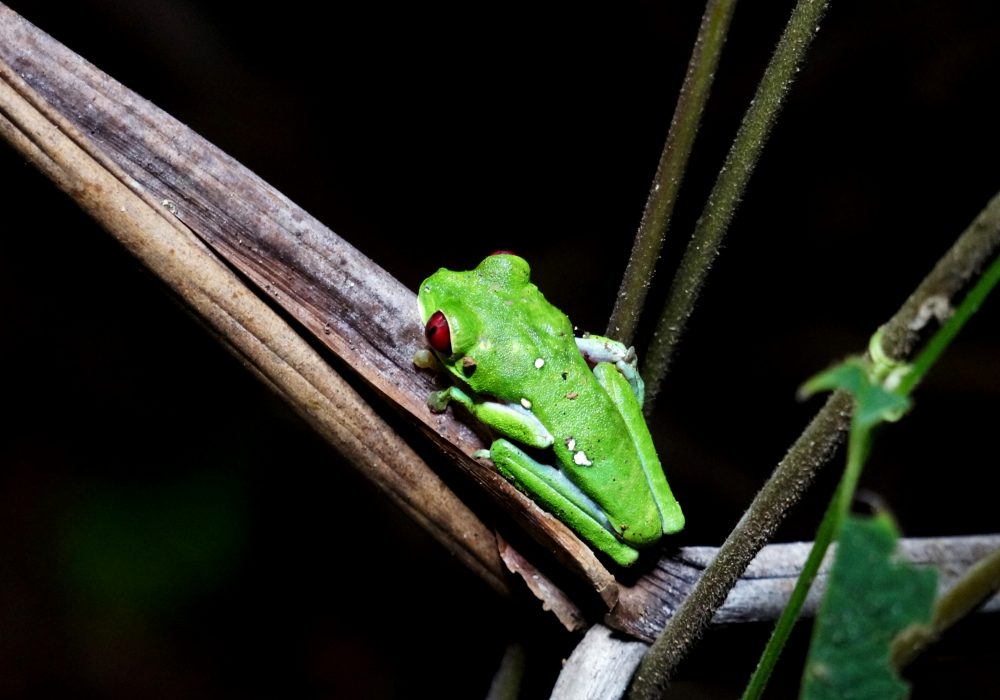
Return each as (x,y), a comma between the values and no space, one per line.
(458,308)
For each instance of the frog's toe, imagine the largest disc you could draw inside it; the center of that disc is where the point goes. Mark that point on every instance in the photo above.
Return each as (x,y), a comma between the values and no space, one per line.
(438,401)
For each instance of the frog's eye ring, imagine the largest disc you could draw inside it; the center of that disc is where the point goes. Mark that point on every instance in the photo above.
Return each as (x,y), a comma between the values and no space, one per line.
(503,251)
(438,333)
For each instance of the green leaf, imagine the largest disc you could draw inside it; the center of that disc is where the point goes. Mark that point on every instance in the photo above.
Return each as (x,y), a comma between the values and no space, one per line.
(869,599)
(873,403)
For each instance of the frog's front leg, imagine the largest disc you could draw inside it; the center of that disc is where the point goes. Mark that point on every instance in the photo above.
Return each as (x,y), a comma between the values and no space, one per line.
(512,420)
(596,349)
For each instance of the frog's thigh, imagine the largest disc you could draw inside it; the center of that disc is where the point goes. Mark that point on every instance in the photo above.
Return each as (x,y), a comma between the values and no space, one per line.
(511,420)
(597,349)
(671,517)
(561,497)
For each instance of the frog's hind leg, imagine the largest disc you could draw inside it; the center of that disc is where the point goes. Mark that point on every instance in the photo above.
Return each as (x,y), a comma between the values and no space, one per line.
(617,388)
(562,498)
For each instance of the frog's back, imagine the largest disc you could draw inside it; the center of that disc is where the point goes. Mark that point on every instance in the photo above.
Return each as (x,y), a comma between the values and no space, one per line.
(595,450)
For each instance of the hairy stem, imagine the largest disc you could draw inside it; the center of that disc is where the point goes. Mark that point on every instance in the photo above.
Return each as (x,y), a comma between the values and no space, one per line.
(670,171)
(789,616)
(829,529)
(728,190)
(840,503)
(979,243)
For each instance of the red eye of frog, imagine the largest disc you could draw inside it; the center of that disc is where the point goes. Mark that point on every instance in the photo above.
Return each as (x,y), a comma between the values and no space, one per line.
(438,333)
(503,251)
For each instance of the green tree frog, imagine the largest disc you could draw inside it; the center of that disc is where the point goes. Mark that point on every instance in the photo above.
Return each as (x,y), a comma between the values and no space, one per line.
(568,411)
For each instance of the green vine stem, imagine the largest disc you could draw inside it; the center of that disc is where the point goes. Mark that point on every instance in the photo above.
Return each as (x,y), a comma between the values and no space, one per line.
(857,449)
(977,245)
(670,171)
(769,657)
(937,344)
(860,440)
(725,196)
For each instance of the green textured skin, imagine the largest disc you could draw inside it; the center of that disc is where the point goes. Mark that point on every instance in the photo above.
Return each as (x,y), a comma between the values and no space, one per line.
(503,324)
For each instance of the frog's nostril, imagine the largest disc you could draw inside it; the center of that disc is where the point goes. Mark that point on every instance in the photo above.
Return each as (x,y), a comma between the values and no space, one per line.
(438,333)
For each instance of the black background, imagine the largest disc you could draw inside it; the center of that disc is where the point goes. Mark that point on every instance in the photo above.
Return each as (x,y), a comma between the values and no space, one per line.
(168,528)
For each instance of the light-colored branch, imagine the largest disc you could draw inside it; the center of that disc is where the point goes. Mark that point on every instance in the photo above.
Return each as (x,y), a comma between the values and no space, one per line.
(599,668)
(602,663)
(761,592)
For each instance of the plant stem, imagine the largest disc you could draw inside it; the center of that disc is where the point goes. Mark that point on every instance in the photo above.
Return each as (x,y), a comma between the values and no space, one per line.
(790,479)
(943,337)
(829,527)
(725,196)
(946,611)
(790,615)
(978,584)
(670,171)
(978,243)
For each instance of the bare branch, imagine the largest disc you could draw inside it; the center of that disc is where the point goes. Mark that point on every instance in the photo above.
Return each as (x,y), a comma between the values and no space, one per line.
(114,178)
(602,664)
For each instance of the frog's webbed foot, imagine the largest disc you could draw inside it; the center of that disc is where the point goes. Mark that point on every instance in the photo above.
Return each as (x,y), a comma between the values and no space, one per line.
(438,401)
(597,349)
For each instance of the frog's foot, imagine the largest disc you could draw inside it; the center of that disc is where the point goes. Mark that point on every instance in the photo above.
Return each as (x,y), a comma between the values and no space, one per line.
(597,349)
(561,497)
(438,401)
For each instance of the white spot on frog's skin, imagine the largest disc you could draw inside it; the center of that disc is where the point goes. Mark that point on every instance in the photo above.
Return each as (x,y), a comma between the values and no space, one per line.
(581,459)
(526,403)
(571,444)
(539,363)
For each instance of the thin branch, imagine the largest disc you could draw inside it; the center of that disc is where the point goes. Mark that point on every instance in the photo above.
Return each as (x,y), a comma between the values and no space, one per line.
(978,585)
(977,245)
(762,590)
(602,662)
(670,171)
(350,305)
(728,190)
